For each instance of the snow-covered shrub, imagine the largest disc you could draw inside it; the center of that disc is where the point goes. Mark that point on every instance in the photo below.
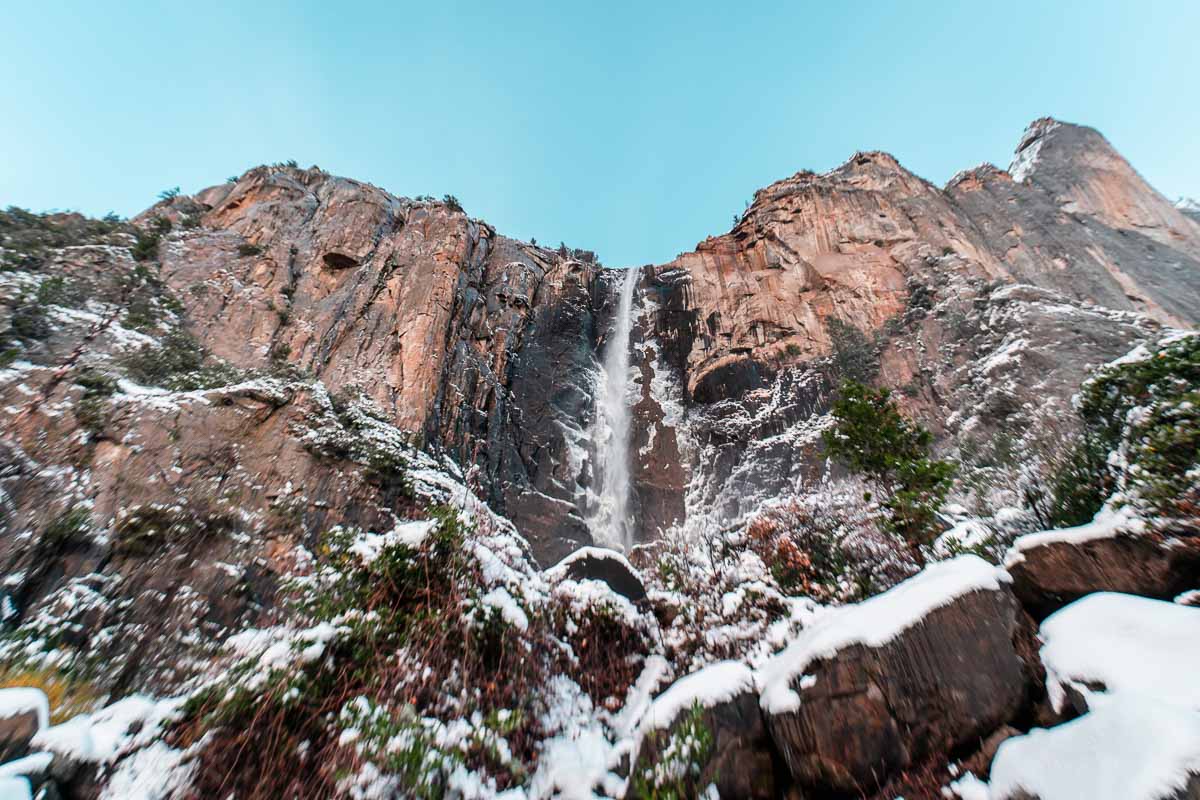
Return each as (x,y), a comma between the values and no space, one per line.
(1145,410)
(675,774)
(609,638)
(827,546)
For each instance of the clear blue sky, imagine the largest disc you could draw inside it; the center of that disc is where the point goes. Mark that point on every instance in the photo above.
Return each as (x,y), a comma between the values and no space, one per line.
(634,129)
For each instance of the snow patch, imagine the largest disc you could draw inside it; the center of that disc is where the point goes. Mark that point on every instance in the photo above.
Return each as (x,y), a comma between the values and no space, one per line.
(1129,644)
(1133,749)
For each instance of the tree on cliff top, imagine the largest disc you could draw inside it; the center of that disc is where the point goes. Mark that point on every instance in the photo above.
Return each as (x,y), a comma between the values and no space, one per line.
(874,439)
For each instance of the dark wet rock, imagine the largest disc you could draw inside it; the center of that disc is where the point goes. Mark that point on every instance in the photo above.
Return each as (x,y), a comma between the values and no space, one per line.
(599,564)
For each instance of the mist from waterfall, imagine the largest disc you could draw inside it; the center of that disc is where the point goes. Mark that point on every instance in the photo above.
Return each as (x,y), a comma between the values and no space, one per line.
(610,522)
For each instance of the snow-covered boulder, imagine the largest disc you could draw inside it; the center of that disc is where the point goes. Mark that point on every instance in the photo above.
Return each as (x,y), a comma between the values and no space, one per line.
(23,712)
(1119,644)
(923,668)
(1130,749)
(1112,553)
(600,564)
(705,729)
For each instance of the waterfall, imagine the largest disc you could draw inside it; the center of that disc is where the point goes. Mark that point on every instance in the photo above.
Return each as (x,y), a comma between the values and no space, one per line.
(610,522)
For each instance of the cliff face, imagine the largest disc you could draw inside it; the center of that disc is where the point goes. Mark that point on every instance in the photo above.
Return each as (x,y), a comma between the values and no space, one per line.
(870,262)
(346,329)
(480,344)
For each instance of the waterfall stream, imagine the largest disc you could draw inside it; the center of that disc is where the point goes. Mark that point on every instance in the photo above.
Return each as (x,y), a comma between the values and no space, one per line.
(610,522)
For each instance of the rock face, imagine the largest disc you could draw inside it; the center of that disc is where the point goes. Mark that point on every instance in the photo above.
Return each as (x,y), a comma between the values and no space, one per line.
(480,344)
(867,712)
(1049,576)
(868,270)
(985,303)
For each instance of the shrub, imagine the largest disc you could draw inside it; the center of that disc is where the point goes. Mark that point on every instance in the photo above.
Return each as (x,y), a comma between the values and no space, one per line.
(874,439)
(452,202)
(675,773)
(1148,411)
(855,357)
(67,531)
(169,194)
(248,249)
(92,406)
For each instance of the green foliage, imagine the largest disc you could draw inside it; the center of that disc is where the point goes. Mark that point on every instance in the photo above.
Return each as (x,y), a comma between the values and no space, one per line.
(57,291)
(873,438)
(29,238)
(1149,410)
(91,410)
(29,321)
(142,529)
(855,357)
(66,531)
(1075,485)
(676,768)
(452,202)
(248,249)
(169,194)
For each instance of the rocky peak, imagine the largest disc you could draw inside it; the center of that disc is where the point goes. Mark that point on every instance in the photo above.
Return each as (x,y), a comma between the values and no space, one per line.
(1086,175)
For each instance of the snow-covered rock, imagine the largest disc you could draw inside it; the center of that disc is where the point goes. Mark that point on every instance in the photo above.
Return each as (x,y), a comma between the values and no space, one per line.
(1111,553)
(924,667)
(1130,749)
(1111,644)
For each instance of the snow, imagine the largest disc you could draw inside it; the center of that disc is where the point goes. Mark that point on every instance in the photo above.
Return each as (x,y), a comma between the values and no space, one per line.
(368,546)
(156,772)
(20,700)
(1188,598)
(1108,523)
(1130,749)
(29,765)
(1132,645)
(15,789)
(873,622)
(965,533)
(104,735)
(714,684)
(509,609)
(560,569)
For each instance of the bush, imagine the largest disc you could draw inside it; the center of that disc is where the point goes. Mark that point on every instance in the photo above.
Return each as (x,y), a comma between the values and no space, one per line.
(1148,411)
(249,250)
(680,760)
(67,531)
(452,203)
(169,194)
(874,439)
(855,357)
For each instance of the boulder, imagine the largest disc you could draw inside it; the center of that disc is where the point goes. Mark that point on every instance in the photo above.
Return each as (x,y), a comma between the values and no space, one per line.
(599,564)
(23,712)
(706,729)
(1055,568)
(922,669)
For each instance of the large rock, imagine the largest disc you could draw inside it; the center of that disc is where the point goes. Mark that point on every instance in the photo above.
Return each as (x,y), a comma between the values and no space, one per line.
(707,729)
(599,564)
(1111,554)
(919,670)
(23,712)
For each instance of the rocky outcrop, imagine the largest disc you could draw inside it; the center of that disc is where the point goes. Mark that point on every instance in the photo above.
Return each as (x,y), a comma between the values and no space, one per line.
(917,671)
(706,730)
(867,271)
(1052,570)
